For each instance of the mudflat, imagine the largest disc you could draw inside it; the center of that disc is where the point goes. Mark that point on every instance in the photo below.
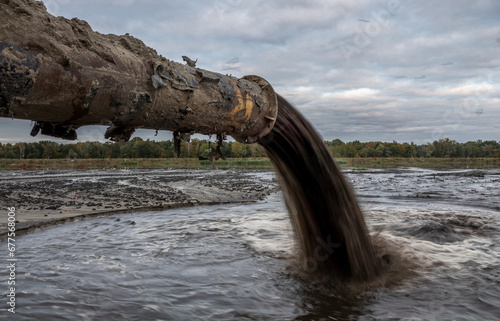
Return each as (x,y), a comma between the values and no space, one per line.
(44,198)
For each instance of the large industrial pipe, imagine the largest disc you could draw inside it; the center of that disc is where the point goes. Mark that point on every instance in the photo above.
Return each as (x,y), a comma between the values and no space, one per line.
(63,75)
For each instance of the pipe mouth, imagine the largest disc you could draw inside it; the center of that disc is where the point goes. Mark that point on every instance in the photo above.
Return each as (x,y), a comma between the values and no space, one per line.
(268,111)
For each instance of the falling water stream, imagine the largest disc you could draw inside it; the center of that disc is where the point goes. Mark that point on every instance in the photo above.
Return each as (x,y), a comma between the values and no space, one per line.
(323,209)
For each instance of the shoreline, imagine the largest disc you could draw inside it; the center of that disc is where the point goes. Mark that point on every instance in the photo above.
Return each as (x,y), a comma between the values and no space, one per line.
(260,163)
(29,227)
(48,198)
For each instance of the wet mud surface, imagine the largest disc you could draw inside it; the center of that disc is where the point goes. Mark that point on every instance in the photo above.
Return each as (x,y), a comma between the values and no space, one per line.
(49,197)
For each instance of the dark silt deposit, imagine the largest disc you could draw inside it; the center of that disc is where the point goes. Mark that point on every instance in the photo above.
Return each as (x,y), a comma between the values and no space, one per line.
(322,206)
(44,198)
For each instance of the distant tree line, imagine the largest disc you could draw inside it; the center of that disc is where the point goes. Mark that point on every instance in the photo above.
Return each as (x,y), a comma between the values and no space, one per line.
(135,148)
(139,148)
(439,148)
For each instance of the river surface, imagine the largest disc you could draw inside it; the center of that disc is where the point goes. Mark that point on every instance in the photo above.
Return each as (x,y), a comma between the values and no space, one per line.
(233,262)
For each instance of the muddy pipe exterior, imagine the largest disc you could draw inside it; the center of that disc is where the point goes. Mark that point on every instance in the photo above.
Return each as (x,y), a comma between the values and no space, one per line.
(63,75)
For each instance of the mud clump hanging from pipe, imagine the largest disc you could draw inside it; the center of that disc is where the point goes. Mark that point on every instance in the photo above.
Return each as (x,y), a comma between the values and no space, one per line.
(325,215)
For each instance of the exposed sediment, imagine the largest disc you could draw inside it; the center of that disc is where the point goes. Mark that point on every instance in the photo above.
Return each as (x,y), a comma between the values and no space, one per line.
(44,198)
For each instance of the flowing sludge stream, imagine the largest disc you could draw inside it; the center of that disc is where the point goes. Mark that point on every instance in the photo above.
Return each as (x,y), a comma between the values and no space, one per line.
(323,208)
(234,262)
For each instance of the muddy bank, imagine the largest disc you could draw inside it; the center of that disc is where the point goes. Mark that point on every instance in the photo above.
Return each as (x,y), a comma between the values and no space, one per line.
(43,198)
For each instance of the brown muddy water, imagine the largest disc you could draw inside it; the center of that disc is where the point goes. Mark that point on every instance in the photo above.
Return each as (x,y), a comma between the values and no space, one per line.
(324,212)
(236,262)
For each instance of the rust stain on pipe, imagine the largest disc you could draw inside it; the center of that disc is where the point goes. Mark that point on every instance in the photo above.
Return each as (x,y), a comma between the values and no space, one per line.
(64,76)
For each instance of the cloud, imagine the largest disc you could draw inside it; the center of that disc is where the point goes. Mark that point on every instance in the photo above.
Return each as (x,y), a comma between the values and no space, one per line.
(353,94)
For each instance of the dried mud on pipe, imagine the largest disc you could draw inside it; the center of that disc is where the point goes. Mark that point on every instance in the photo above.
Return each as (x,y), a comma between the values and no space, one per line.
(66,75)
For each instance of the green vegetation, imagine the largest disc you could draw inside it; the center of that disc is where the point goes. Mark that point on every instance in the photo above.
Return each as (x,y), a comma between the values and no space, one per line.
(122,163)
(429,162)
(135,148)
(242,163)
(440,148)
(139,148)
(139,153)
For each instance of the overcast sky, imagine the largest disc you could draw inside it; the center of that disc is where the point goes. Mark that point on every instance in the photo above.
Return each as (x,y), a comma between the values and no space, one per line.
(358,70)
